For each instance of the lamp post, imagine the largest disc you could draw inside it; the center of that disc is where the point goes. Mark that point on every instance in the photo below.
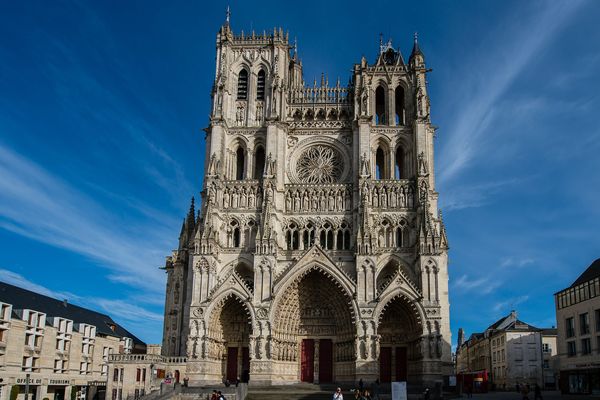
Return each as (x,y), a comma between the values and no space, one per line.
(26,386)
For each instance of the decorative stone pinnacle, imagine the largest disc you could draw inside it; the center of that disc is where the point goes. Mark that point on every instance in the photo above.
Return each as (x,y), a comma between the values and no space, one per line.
(227,15)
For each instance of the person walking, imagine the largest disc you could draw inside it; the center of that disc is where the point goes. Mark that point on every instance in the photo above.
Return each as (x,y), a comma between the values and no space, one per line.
(338,394)
(537,392)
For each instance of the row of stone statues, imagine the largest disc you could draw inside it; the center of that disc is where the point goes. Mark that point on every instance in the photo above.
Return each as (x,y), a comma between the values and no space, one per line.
(315,199)
(242,197)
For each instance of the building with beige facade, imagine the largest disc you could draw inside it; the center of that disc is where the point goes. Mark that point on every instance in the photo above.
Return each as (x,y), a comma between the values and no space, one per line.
(578,322)
(319,253)
(510,351)
(56,350)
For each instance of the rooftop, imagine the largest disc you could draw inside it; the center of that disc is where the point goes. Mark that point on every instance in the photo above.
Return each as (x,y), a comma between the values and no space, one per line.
(21,299)
(592,272)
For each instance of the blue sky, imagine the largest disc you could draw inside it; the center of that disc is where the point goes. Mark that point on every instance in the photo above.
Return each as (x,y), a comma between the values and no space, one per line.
(102,106)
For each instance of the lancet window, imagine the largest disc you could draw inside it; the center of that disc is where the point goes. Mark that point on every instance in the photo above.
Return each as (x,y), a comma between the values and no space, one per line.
(380,164)
(242,88)
(235,236)
(399,165)
(240,163)
(380,106)
(393,234)
(259,162)
(260,85)
(399,105)
(330,236)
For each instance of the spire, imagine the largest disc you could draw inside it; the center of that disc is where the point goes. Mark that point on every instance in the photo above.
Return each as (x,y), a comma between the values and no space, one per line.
(227,15)
(416,49)
(380,43)
(191,214)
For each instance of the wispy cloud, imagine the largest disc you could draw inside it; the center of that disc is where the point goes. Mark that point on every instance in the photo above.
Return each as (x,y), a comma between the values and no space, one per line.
(482,285)
(511,54)
(125,311)
(470,196)
(516,262)
(510,303)
(36,204)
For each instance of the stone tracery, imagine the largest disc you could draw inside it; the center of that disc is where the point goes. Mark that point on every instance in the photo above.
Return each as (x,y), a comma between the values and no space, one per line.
(320,164)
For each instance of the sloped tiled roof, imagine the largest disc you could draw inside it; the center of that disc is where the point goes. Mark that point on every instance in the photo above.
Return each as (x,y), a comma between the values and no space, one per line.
(592,272)
(21,299)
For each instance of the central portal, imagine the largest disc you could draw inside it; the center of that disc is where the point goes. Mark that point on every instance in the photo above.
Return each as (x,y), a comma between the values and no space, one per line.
(313,330)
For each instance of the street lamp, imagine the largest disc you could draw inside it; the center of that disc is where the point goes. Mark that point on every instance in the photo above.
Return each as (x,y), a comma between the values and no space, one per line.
(26,386)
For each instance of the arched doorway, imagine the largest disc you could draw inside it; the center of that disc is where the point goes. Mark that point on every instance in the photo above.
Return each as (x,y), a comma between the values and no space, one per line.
(229,337)
(313,330)
(400,331)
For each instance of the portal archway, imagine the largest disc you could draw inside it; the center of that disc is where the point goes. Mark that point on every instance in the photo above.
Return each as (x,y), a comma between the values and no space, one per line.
(229,329)
(313,330)
(400,330)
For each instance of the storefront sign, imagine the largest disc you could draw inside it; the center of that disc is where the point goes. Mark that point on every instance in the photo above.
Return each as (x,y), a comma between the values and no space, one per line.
(96,383)
(58,382)
(32,381)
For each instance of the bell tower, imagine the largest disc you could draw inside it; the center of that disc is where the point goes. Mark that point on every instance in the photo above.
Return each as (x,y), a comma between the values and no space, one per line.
(318,253)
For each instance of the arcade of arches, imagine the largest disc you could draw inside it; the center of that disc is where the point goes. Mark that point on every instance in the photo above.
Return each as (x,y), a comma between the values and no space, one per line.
(314,335)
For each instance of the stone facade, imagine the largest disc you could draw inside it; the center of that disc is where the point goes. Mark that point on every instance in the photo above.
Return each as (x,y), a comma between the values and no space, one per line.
(578,323)
(511,352)
(62,349)
(319,253)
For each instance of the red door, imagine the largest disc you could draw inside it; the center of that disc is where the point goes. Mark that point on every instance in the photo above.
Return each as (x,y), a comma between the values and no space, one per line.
(385,364)
(307,361)
(401,364)
(325,361)
(232,364)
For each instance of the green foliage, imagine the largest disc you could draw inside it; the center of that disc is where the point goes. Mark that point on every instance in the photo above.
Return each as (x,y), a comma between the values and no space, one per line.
(73,392)
(14,392)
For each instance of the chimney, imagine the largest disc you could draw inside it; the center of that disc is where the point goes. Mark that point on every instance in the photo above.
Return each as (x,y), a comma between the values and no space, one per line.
(65,303)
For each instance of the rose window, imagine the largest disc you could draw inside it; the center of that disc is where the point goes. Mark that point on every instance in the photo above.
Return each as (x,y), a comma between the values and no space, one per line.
(320,164)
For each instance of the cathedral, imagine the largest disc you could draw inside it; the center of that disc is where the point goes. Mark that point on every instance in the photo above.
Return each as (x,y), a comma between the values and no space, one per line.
(318,253)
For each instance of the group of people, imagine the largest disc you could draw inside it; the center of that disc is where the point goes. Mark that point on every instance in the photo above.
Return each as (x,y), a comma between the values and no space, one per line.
(360,393)
(525,390)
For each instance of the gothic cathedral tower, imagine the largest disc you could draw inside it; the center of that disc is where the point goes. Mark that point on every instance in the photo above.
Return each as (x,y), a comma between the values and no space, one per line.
(319,253)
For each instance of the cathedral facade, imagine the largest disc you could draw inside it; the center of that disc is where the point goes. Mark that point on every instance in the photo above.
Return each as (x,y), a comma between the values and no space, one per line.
(318,253)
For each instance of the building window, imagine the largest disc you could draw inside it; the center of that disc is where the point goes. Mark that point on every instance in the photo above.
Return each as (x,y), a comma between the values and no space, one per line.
(260,85)
(259,162)
(584,323)
(400,173)
(138,375)
(571,349)
(143,375)
(242,92)
(546,347)
(597,320)
(399,98)
(586,346)
(240,163)
(380,106)
(380,164)
(546,364)
(570,327)
(116,375)
(114,394)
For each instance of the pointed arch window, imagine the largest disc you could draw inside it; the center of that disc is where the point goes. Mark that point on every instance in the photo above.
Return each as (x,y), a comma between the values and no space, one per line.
(400,108)
(380,170)
(242,88)
(399,164)
(240,163)
(259,162)
(260,85)
(380,106)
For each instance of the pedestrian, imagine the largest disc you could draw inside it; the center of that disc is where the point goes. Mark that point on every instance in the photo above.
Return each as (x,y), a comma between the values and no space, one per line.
(338,394)
(220,396)
(214,395)
(375,390)
(426,394)
(469,391)
(524,392)
(537,392)
(361,385)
